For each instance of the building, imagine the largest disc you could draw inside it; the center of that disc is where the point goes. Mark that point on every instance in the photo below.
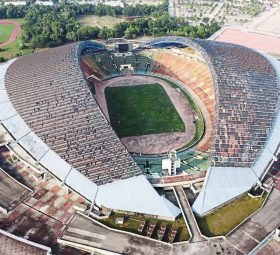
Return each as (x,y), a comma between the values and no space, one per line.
(51,118)
(172,163)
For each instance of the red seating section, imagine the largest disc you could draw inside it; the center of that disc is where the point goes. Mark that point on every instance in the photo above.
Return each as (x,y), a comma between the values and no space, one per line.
(196,76)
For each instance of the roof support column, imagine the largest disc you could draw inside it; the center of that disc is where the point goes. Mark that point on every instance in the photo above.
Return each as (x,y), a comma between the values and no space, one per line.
(45,176)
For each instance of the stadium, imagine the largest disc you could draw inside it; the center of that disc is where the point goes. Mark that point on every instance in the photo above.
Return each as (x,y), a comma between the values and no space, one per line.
(77,112)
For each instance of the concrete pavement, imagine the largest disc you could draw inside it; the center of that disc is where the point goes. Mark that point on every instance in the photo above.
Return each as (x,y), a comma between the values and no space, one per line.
(196,235)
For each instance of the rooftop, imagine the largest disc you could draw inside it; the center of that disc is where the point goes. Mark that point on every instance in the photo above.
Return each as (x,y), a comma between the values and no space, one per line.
(59,97)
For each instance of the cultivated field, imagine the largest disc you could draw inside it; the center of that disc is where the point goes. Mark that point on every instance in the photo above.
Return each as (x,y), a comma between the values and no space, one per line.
(224,219)
(141,110)
(104,21)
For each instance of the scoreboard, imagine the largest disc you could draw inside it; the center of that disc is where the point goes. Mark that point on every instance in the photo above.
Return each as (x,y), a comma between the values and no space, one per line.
(123,47)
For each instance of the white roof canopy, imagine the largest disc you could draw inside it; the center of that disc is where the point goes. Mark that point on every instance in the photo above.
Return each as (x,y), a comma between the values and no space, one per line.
(135,195)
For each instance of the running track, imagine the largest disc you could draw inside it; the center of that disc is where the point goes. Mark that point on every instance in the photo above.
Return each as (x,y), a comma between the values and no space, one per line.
(14,33)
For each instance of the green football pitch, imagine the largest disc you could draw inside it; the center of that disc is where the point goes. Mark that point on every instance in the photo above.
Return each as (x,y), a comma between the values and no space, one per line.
(142,110)
(5,31)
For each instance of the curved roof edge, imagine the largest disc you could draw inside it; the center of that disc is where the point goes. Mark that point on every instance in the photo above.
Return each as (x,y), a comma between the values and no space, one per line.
(271,148)
(232,181)
(176,41)
(135,195)
(31,143)
(151,203)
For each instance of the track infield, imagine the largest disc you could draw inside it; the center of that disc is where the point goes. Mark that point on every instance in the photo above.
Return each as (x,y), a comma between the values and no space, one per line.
(156,143)
(142,110)
(5,32)
(9,30)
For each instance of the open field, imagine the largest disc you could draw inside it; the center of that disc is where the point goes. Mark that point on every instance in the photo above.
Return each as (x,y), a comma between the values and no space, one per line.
(11,50)
(224,219)
(141,110)
(5,31)
(104,21)
(262,42)
(10,31)
(132,223)
(160,142)
(271,23)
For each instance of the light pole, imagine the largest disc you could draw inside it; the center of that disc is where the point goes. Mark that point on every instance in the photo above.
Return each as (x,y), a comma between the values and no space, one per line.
(78,33)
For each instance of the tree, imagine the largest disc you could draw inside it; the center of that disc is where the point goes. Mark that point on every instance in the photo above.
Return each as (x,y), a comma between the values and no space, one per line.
(47,26)
(131,32)
(88,32)
(119,29)
(205,20)
(105,33)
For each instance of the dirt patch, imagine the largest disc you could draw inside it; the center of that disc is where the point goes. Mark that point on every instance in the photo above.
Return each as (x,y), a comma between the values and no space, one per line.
(154,143)
(14,34)
(103,21)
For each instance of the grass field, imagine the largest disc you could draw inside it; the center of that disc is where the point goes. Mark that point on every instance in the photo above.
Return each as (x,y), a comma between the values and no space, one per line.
(5,31)
(141,110)
(224,219)
(131,224)
(13,49)
(104,21)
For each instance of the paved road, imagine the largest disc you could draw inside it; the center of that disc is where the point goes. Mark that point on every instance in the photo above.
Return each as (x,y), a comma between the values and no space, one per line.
(84,231)
(189,215)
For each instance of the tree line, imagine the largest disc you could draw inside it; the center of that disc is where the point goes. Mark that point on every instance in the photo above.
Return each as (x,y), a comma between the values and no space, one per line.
(19,11)
(47,26)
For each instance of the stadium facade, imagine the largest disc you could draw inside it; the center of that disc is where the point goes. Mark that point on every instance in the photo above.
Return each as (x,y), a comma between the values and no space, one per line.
(52,120)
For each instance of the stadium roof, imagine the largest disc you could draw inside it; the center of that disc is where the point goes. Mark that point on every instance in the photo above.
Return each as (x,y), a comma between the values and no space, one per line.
(62,127)
(247,94)
(225,183)
(247,127)
(115,195)
(49,92)
(143,199)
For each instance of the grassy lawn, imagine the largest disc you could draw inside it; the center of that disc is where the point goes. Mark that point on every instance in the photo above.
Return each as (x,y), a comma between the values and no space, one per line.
(132,222)
(5,32)
(104,21)
(224,219)
(13,49)
(141,110)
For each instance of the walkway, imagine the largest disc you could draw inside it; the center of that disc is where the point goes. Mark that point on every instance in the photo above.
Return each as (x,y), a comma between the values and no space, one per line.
(196,235)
